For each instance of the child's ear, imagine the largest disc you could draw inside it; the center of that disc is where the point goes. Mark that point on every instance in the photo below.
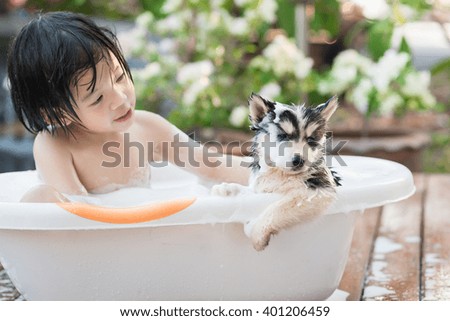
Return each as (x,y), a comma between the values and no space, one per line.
(259,107)
(327,109)
(66,120)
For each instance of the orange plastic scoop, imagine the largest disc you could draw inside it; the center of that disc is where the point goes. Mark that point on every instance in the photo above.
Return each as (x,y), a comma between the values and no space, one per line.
(128,215)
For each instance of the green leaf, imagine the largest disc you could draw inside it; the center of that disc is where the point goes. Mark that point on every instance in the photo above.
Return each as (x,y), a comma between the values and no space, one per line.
(286,17)
(419,5)
(404,47)
(326,17)
(443,66)
(154,6)
(380,34)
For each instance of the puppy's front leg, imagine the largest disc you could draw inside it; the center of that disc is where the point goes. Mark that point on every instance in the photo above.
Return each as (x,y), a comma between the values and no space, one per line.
(268,223)
(290,210)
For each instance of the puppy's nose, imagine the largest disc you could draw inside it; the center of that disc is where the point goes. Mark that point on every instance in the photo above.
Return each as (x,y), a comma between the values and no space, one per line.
(297,161)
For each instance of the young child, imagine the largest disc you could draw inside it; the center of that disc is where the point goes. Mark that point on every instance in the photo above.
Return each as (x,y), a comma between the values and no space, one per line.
(71,85)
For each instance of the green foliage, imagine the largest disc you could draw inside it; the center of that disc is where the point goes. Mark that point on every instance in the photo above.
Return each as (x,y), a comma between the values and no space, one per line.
(154,6)
(437,156)
(418,5)
(441,67)
(286,17)
(380,30)
(112,9)
(220,52)
(404,47)
(326,17)
(379,38)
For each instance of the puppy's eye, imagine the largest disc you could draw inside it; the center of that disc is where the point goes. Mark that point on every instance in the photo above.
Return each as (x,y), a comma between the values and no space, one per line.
(283,136)
(312,142)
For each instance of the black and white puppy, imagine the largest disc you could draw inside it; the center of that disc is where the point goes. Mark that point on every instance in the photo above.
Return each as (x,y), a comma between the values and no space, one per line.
(288,158)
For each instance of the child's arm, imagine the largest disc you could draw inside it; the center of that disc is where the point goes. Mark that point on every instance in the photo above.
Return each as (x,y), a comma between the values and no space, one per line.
(175,146)
(43,194)
(55,166)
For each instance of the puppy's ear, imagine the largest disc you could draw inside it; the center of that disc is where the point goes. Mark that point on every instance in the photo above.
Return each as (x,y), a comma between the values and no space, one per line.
(259,107)
(327,109)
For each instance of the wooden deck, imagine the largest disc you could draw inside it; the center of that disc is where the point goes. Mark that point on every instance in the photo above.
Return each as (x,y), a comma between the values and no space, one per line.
(400,251)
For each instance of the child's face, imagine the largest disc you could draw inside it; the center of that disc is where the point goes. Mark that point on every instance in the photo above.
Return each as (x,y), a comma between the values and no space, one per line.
(110,107)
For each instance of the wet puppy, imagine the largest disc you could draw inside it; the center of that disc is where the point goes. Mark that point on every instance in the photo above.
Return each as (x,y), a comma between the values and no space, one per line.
(288,158)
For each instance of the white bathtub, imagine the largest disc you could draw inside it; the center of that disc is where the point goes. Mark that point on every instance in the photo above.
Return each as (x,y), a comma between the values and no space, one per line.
(200,253)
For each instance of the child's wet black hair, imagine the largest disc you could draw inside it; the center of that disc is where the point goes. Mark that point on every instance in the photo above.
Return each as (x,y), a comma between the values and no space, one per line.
(47,57)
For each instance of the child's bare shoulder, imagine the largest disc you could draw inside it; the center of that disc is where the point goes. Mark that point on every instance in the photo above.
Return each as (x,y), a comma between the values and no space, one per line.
(50,144)
(146,118)
(153,123)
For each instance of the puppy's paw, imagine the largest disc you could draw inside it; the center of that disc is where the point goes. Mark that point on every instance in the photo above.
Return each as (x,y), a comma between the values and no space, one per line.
(226,189)
(261,236)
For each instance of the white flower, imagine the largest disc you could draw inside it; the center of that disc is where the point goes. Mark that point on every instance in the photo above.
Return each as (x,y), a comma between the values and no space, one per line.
(267,9)
(216,3)
(171,6)
(405,12)
(360,95)
(132,40)
(174,22)
(325,86)
(191,93)
(303,67)
(351,57)
(241,3)
(260,63)
(237,26)
(194,71)
(343,77)
(171,60)
(238,116)
(144,20)
(340,79)
(390,103)
(167,46)
(209,20)
(417,85)
(270,90)
(388,68)
(196,77)
(284,57)
(171,23)
(374,9)
(149,71)
(428,99)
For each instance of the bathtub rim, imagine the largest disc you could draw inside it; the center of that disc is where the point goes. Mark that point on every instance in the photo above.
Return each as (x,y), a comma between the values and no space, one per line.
(396,185)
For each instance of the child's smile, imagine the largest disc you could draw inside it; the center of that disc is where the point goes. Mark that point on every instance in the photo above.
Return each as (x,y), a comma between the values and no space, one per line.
(125,117)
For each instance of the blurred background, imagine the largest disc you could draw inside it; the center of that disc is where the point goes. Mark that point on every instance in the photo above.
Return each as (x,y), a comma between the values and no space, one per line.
(196,63)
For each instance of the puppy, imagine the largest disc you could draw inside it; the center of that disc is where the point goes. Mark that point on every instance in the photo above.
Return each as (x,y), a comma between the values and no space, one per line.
(288,159)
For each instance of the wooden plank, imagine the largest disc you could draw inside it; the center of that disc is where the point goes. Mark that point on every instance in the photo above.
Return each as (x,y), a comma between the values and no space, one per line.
(394,272)
(366,226)
(436,246)
(7,290)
